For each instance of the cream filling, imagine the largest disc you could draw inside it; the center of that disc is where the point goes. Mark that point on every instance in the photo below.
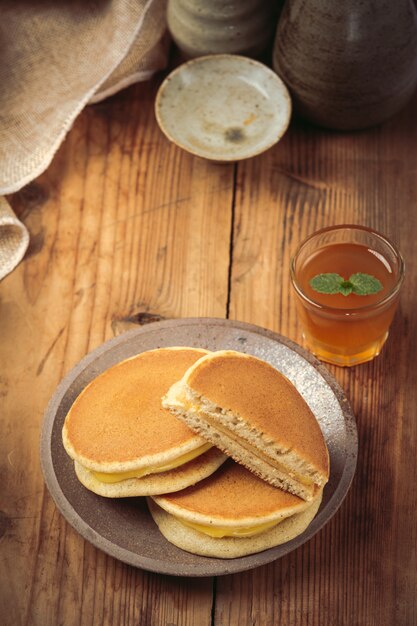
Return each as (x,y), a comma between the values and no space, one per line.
(304,480)
(180,398)
(115,477)
(212,530)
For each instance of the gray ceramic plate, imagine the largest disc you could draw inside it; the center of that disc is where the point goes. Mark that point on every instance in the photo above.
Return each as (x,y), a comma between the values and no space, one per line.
(123,528)
(223,107)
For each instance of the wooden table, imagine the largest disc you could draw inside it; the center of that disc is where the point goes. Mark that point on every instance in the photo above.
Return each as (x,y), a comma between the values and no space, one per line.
(127,227)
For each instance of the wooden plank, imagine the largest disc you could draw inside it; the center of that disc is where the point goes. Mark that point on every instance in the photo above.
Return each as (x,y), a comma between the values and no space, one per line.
(122,223)
(125,225)
(361,568)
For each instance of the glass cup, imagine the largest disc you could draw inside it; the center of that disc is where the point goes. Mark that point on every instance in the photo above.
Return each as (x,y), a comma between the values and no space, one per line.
(346,329)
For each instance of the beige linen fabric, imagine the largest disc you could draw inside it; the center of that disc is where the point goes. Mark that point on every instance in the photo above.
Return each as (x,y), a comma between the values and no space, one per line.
(14,239)
(58,55)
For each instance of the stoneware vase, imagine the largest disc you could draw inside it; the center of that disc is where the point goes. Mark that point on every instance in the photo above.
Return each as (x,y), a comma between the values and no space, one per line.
(347,63)
(201,27)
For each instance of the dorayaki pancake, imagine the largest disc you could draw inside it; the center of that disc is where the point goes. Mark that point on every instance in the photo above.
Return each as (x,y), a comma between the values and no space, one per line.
(232,513)
(150,484)
(118,431)
(254,414)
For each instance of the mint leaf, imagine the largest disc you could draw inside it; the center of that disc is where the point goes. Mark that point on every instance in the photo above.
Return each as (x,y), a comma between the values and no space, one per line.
(364,284)
(326,283)
(359,284)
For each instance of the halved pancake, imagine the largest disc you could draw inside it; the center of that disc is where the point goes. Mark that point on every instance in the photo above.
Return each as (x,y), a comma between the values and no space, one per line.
(118,433)
(232,513)
(254,414)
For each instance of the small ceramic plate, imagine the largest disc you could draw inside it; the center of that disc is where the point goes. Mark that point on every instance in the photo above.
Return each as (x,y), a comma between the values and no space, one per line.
(123,527)
(223,107)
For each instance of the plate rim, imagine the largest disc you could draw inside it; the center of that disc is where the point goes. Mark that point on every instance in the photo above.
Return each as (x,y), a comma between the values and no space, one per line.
(225,566)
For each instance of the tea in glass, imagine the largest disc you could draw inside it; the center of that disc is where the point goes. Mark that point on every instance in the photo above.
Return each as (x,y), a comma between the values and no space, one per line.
(347,281)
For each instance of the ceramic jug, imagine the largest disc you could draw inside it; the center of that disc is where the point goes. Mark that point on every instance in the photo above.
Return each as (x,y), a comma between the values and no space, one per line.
(347,63)
(201,27)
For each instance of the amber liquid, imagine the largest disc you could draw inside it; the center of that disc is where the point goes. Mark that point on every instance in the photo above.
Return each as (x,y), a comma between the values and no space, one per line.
(346,330)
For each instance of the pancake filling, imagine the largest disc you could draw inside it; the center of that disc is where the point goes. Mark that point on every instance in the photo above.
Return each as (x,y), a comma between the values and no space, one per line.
(246,445)
(115,477)
(223,531)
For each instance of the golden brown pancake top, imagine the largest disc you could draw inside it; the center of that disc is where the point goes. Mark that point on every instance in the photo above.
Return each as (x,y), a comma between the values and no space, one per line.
(264,398)
(233,492)
(119,417)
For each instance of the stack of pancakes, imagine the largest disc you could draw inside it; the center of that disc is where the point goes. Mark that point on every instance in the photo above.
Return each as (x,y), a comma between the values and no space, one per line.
(162,424)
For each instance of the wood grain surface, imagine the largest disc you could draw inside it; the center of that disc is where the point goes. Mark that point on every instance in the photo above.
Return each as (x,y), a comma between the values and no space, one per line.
(126,228)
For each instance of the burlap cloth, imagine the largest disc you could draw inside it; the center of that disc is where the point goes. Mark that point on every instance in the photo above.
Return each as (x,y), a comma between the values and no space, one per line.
(56,57)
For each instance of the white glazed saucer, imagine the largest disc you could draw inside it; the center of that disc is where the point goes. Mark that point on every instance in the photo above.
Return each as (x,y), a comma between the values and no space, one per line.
(223,107)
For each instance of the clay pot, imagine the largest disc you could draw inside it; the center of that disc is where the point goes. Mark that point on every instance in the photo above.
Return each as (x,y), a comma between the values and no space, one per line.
(201,27)
(347,63)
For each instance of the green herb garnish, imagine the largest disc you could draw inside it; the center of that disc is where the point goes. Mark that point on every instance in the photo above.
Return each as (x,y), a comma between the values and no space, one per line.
(360,284)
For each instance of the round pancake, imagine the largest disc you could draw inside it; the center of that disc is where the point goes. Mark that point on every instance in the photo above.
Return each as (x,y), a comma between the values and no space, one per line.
(164,482)
(118,424)
(231,496)
(195,542)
